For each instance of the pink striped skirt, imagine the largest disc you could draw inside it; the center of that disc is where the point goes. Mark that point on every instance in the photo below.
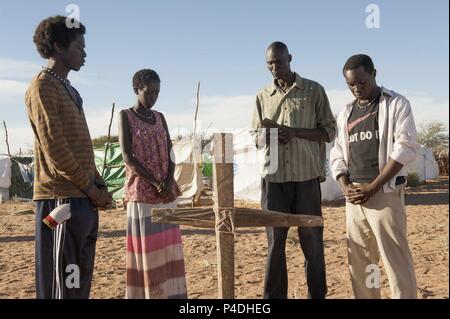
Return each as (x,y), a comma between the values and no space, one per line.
(155,260)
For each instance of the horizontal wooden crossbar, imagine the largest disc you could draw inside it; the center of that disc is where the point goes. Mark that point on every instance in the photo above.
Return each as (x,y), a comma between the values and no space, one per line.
(204,217)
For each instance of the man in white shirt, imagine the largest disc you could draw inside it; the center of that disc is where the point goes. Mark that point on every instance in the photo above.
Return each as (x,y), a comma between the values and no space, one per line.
(376,138)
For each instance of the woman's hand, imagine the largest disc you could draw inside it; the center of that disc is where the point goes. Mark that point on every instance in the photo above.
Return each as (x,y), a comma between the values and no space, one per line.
(165,189)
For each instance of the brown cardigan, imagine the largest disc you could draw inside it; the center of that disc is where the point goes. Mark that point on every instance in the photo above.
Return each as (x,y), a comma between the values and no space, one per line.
(64,157)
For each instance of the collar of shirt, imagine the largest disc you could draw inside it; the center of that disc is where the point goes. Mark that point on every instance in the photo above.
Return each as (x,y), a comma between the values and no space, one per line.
(297,83)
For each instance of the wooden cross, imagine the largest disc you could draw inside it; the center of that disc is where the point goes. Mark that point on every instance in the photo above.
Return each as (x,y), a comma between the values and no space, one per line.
(224,217)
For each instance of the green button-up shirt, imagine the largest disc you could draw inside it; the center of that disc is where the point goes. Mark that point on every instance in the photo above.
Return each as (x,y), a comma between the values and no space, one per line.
(304,105)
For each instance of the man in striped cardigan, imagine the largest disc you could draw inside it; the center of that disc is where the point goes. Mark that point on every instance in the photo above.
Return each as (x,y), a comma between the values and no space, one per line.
(65,171)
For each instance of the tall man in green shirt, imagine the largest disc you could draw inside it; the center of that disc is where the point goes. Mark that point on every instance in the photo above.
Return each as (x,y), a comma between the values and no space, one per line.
(302,111)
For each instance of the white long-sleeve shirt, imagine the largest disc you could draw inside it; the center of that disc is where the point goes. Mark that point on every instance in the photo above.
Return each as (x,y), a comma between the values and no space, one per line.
(397,136)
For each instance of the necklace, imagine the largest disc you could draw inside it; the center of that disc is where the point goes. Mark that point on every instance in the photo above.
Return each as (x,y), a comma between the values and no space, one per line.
(148,117)
(370,102)
(56,76)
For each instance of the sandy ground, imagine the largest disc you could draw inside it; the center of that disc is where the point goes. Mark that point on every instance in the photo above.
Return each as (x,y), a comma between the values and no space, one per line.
(428,224)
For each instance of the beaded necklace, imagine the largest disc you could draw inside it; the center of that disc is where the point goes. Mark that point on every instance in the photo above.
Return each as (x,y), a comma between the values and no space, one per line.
(56,76)
(149,117)
(370,102)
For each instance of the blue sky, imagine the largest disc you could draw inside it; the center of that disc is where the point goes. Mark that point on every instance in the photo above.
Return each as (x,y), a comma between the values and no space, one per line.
(222,44)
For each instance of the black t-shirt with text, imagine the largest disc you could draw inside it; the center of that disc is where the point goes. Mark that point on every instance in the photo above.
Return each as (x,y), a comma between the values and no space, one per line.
(363,142)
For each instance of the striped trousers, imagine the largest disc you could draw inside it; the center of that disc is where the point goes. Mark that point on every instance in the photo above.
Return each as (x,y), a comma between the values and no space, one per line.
(65,255)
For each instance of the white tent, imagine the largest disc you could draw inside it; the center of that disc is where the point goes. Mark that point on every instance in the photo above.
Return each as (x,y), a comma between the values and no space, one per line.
(5,176)
(248,163)
(247,166)
(425,165)
(330,188)
(186,154)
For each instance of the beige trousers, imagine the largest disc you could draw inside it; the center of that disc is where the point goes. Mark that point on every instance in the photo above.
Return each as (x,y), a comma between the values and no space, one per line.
(378,227)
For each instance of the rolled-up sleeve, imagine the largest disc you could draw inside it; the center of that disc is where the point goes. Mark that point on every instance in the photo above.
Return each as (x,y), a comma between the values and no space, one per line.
(256,125)
(405,145)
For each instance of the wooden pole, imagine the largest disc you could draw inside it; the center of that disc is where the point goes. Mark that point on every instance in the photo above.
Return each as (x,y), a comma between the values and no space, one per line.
(6,134)
(224,213)
(107,140)
(196,198)
(196,107)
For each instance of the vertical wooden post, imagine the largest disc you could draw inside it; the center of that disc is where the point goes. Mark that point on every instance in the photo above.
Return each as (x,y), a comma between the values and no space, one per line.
(223,208)
(6,137)
(196,198)
(107,140)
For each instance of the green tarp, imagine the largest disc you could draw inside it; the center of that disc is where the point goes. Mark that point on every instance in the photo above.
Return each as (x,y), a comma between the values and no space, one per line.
(207,165)
(114,174)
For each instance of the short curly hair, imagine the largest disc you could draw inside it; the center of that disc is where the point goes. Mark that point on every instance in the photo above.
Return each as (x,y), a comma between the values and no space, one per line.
(357,60)
(54,29)
(141,77)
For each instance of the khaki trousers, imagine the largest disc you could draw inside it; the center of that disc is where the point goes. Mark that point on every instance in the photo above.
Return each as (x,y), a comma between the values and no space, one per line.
(378,227)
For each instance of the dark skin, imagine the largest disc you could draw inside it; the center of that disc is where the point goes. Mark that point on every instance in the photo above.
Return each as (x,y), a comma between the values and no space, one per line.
(64,60)
(146,99)
(61,63)
(363,86)
(279,64)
